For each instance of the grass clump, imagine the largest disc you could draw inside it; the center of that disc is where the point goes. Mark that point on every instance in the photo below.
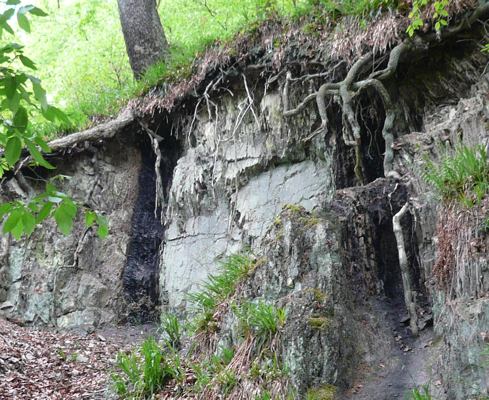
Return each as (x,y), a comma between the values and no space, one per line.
(262,319)
(143,372)
(326,392)
(172,329)
(220,287)
(462,176)
(422,393)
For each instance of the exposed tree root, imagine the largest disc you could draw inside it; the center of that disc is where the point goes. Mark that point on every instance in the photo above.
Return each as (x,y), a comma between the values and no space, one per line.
(409,295)
(349,88)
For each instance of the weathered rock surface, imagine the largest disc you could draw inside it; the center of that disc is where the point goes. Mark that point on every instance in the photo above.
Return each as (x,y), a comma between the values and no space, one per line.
(241,175)
(75,281)
(460,308)
(231,184)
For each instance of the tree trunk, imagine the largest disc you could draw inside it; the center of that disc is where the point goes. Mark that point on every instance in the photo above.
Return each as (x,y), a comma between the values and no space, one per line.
(143,33)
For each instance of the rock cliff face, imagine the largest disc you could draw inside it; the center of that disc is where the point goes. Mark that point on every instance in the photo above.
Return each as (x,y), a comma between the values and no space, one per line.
(237,174)
(76,280)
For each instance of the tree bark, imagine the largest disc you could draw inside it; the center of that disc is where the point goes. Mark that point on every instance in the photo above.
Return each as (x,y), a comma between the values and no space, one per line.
(143,33)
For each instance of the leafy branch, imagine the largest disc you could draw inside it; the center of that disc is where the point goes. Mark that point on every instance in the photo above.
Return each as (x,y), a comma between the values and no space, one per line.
(21,97)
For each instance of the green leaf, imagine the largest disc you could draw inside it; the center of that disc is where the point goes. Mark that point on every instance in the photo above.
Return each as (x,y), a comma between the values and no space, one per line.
(4,25)
(12,150)
(90,217)
(14,102)
(53,113)
(44,212)
(40,95)
(37,156)
(20,119)
(63,216)
(10,86)
(23,21)
(28,222)
(12,220)
(42,144)
(7,14)
(18,230)
(4,209)
(37,12)
(70,207)
(103,231)
(27,62)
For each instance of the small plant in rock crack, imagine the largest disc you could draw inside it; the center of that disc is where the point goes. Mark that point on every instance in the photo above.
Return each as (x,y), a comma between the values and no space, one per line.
(143,372)
(421,393)
(462,176)
(172,329)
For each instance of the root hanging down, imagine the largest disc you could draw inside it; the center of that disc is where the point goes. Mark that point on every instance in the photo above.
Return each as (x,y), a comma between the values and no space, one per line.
(346,90)
(409,294)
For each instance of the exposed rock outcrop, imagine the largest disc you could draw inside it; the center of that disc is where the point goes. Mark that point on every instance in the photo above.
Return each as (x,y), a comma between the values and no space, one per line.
(235,173)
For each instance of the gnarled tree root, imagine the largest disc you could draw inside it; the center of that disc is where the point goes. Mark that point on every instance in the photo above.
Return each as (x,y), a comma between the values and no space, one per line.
(350,87)
(409,295)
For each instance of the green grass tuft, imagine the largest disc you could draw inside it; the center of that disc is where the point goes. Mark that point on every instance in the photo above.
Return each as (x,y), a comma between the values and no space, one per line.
(462,176)
(262,319)
(218,288)
(143,373)
(172,329)
(422,393)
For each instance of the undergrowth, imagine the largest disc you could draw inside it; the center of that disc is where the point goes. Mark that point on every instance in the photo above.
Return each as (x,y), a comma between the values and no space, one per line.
(461,176)
(219,369)
(143,372)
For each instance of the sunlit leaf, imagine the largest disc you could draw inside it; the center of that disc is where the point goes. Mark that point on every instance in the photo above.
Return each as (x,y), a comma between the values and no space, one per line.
(27,62)
(23,21)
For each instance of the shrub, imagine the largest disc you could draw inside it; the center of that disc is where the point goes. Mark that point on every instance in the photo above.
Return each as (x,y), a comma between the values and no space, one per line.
(144,372)
(462,176)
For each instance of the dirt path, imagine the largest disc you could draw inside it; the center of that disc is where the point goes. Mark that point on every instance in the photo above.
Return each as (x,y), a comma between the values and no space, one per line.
(405,366)
(43,365)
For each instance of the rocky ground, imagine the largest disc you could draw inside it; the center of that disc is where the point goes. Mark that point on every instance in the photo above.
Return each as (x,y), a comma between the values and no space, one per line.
(38,364)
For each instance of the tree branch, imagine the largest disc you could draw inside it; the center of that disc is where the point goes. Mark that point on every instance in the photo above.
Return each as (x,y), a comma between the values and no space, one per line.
(102,131)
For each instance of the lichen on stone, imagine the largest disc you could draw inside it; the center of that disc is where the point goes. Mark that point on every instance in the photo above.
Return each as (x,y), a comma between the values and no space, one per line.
(319,322)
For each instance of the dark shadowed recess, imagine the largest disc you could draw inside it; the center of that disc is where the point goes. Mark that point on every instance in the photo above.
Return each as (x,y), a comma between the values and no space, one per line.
(141,272)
